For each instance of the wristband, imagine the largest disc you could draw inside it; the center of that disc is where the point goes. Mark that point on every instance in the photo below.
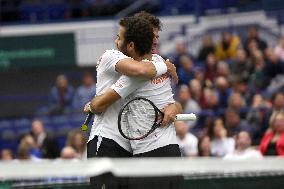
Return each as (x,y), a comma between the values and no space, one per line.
(161,68)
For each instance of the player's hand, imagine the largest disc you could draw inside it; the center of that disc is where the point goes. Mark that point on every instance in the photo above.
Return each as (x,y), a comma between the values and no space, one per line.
(87,108)
(170,113)
(172,70)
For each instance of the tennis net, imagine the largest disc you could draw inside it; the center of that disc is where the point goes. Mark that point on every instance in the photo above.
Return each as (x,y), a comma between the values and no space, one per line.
(198,173)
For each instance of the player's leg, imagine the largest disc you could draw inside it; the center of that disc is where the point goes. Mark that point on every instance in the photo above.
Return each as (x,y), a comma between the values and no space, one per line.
(174,182)
(109,148)
(95,182)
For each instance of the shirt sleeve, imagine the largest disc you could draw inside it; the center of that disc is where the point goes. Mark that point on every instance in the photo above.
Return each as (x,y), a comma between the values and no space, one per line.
(110,58)
(126,85)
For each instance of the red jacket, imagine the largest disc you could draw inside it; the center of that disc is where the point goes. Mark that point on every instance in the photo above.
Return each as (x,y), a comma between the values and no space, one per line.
(266,140)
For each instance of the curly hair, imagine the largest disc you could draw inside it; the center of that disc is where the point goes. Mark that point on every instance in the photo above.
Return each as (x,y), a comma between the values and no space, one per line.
(155,21)
(140,32)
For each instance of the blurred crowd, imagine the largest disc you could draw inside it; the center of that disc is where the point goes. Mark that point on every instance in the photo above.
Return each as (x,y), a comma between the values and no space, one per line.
(235,86)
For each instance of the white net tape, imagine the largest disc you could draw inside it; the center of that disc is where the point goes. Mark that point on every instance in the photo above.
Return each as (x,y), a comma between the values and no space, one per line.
(138,167)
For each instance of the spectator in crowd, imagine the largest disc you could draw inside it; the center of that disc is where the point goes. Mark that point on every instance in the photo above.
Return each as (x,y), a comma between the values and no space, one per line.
(279,49)
(256,117)
(85,92)
(210,68)
(257,79)
(274,65)
(211,100)
(236,101)
(204,146)
(278,103)
(188,104)
(272,143)
(6,155)
(187,142)
(27,149)
(223,69)
(185,72)
(61,96)
(253,35)
(243,148)
(241,67)
(46,143)
(181,49)
(227,48)
(234,123)
(207,47)
(68,153)
(196,92)
(78,141)
(221,144)
(223,90)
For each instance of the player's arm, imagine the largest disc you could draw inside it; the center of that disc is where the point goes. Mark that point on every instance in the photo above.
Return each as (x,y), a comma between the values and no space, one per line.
(101,102)
(144,69)
(123,87)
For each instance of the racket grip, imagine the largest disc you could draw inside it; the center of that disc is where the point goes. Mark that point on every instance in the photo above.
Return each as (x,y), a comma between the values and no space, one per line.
(185,117)
(84,127)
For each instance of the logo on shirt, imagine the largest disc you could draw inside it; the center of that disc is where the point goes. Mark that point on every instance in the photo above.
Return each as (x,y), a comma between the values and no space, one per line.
(160,79)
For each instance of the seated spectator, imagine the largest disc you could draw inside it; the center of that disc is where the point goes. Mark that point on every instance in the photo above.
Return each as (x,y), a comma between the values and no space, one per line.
(211,100)
(188,104)
(6,155)
(210,68)
(27,149)
(207,47)
(241,66)
(204,146)
(243,148)
(272,143)
(234,123)
(46,143)
(257,79)
(220,143)
(187,142)
(274,65)
(236,101)
(68,153)
(85,92)
(279,49)
(61,96)
(253,35)
(180,50)
(78,141)
(227,48)
(223,69)
(185,72)
(223,90)
(196,91)
(256,117)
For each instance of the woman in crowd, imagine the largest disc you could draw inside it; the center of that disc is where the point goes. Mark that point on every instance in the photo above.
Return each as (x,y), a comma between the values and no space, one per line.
(272,143)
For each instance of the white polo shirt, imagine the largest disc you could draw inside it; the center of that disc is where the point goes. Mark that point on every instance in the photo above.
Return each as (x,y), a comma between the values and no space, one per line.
(105,124)
(159,91)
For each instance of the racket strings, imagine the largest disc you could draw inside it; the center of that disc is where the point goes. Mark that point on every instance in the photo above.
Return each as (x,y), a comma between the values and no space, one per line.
(137,118)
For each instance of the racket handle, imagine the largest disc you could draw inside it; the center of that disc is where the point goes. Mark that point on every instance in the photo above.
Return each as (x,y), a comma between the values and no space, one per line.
(84,127)
(185,117)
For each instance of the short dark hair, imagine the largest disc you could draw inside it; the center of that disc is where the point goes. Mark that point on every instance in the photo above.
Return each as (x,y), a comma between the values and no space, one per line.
(140,32)
(155,21)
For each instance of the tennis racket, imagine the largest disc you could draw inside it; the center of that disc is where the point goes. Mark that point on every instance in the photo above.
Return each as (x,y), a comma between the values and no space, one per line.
(84,126)
(140,117)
